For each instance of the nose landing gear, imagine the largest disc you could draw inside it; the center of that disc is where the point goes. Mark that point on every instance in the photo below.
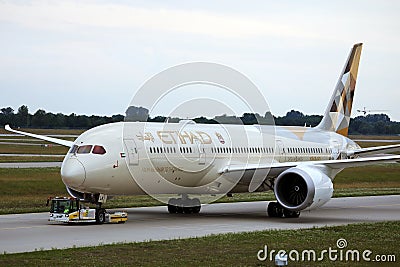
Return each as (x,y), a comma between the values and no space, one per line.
(184,205)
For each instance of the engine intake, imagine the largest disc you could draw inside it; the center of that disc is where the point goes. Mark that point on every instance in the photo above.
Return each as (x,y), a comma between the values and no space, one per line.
(303,187)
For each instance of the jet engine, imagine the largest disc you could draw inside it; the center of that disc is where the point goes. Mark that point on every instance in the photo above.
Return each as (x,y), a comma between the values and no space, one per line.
(303,187)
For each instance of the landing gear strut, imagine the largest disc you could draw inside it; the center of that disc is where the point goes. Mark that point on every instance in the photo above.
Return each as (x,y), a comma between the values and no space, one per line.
(99,199)
(276,210)
(184,205)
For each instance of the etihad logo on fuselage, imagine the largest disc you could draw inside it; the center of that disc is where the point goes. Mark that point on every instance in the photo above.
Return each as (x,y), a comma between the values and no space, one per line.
(184,137)
(145,137)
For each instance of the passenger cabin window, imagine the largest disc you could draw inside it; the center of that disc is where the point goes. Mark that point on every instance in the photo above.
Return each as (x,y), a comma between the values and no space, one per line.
(84,149)
(98,150)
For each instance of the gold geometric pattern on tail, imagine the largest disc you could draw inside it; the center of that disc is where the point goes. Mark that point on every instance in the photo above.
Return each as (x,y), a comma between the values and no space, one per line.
(337,116)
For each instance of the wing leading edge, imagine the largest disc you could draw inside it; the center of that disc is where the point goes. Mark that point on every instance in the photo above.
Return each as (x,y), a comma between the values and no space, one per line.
(42,137)
(274,169)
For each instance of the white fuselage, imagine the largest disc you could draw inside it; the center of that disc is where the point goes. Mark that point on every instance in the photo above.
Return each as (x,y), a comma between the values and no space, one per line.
(186,157)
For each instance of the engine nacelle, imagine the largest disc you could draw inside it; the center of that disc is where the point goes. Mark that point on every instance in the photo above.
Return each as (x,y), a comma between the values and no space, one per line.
(303,187)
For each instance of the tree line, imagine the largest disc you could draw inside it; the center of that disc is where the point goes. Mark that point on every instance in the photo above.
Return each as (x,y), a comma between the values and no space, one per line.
(372,124)
(42,119)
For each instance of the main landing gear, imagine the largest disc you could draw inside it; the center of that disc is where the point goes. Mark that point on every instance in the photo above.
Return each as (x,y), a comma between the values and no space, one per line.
(184,205)
(276,210)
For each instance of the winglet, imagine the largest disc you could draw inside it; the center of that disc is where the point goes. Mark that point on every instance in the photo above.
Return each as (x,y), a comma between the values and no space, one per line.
(42,137)
(338,112)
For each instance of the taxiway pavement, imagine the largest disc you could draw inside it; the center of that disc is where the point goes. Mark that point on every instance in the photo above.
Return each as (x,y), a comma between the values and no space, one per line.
(29,232)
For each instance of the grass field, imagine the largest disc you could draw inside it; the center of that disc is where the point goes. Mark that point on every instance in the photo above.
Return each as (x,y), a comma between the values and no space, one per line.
(46,131)
(232,249)
(372,144)
(8,159)
(26,190)
(376,137)
(29,149)
(22,149)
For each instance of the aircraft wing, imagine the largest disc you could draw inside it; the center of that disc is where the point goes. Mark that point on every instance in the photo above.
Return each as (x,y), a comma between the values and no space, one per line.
(42,137)
(375,150)
(254,175)
(274,169)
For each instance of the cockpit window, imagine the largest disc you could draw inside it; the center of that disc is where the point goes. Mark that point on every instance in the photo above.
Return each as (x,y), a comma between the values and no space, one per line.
(84,149)
(73,149)
(99,150)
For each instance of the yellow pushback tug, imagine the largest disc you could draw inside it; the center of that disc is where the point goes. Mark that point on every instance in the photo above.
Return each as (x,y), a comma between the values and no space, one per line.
(71,210)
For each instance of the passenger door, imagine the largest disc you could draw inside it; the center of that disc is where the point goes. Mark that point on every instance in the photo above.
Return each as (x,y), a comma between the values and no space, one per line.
(335,146)
(202,153)
(133,153)
(280,150)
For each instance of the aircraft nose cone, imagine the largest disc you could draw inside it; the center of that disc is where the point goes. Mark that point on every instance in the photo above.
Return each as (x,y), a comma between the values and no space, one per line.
(73,173)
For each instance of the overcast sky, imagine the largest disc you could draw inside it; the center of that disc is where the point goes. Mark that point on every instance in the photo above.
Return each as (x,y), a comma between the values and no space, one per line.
(89,57)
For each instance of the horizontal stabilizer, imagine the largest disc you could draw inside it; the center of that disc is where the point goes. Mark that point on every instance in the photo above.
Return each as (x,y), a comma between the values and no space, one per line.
(374,150)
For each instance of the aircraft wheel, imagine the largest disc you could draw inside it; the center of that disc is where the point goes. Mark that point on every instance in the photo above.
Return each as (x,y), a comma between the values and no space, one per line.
(180,209)
(187,206)
(173,205)
(291,214)
(197,209)
(171,208)
(187,210)
(272,209)
(100,216)
(275,210)
(196,205)
(279,211)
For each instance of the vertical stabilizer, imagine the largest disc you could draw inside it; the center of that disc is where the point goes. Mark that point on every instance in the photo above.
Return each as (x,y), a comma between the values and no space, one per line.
(337,114)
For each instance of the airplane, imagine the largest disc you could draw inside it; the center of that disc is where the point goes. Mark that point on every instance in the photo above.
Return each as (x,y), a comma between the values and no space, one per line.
(187,159)
(365,111)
